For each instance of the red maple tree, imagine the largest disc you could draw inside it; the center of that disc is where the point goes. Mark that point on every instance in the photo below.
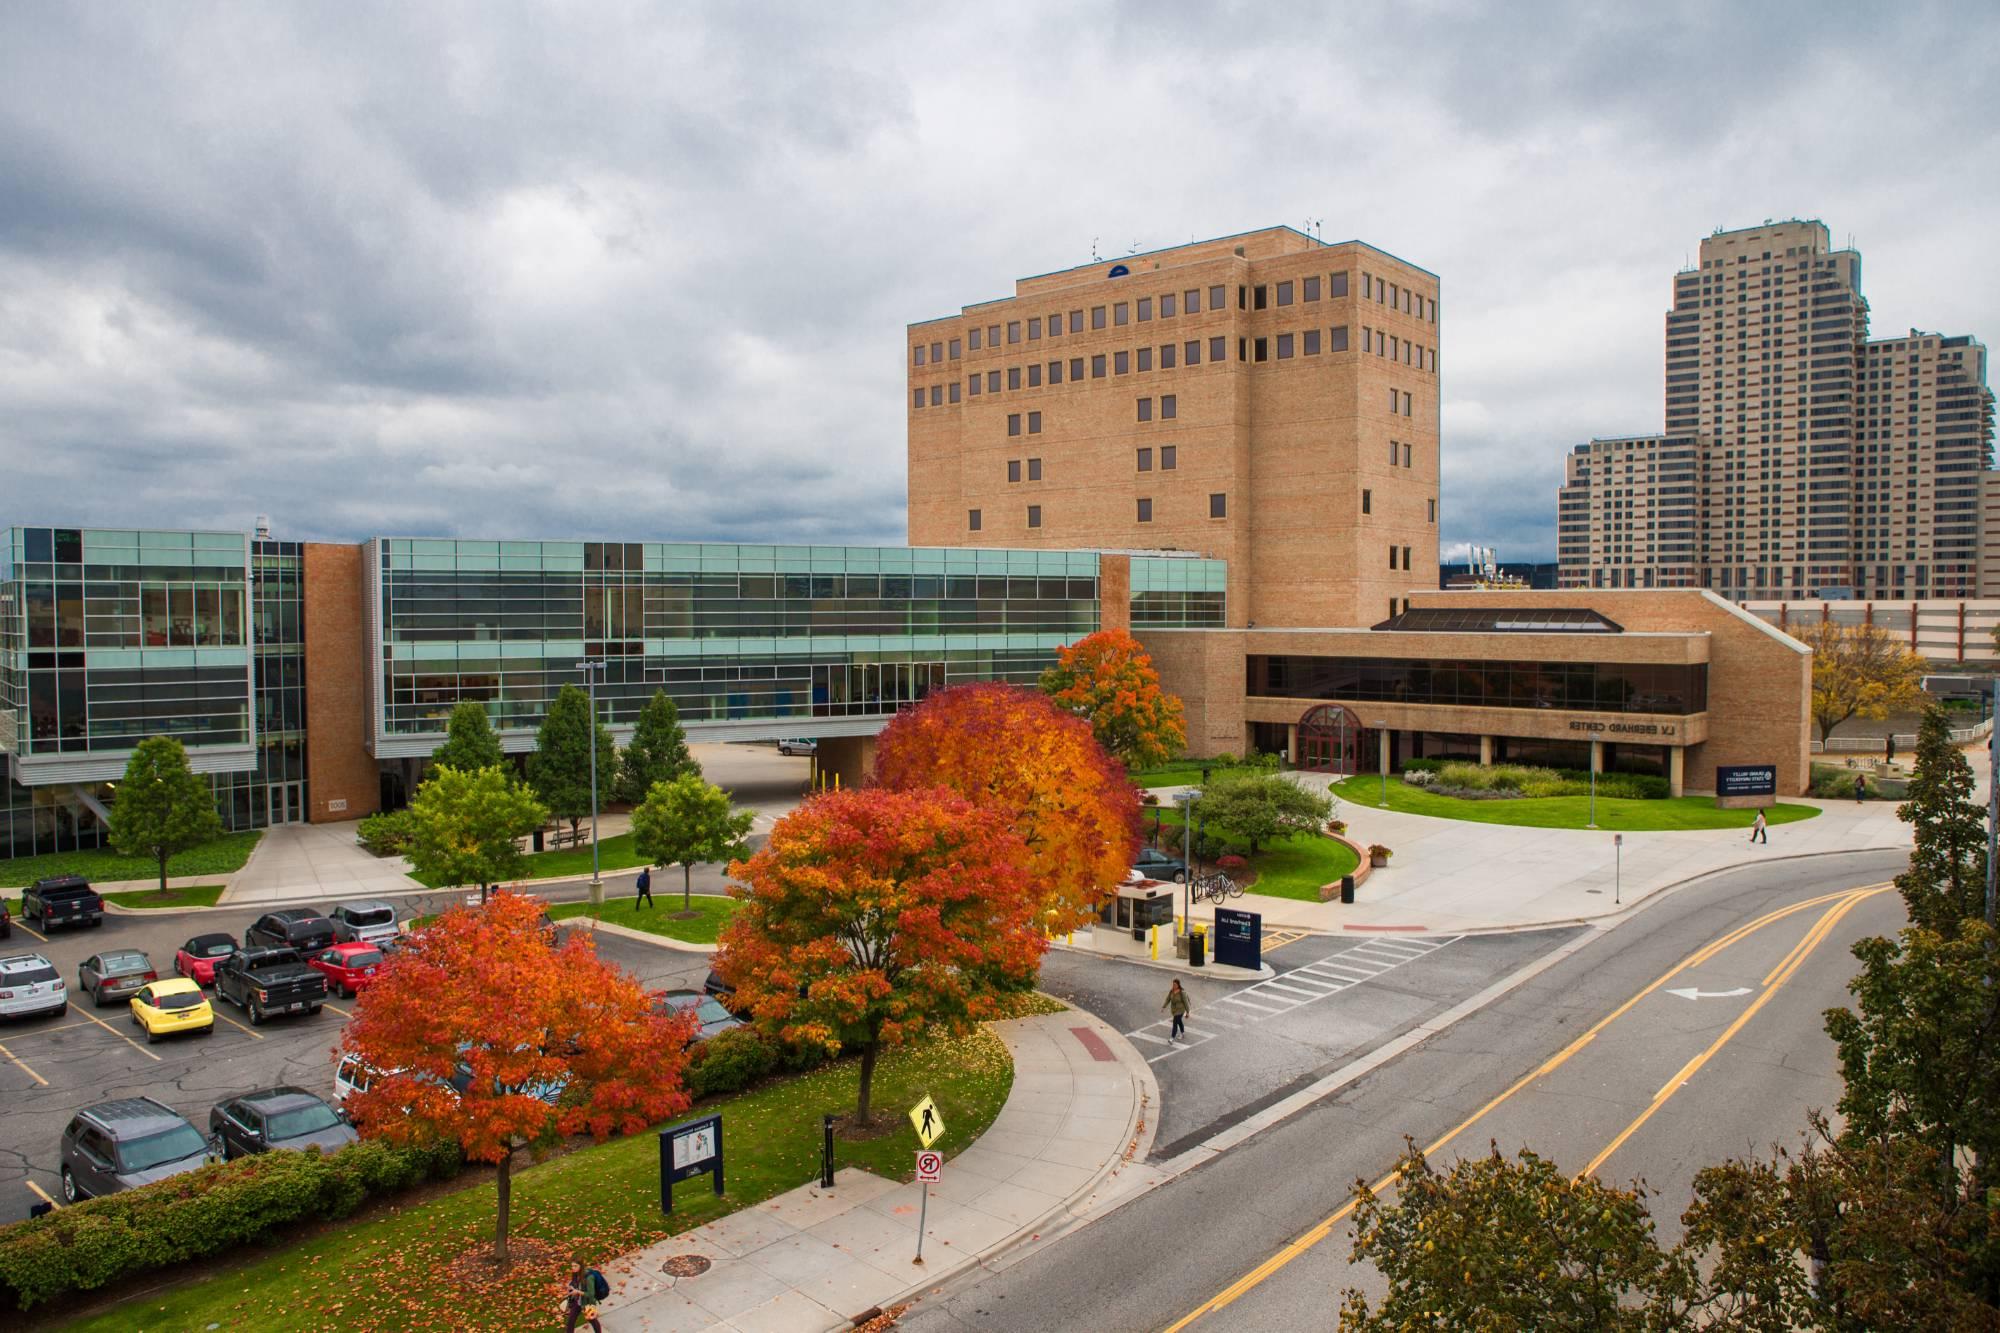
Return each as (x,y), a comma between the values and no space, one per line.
(1109,681)
(1011,750)
(870,915)
(484,1031)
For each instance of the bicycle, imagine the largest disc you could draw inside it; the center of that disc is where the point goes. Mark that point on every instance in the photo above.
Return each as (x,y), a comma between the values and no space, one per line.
(1217,888)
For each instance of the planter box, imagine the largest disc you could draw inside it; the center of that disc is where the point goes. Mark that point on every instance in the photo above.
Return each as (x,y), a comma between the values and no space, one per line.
(1331,892)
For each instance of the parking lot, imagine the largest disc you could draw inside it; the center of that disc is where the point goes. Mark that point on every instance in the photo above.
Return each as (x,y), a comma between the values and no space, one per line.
(51,1067)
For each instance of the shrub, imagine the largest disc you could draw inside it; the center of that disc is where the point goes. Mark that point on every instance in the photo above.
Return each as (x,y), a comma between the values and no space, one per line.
(203,1212)
(1336,826)
(1421,766)
(388,834)
(1231,864)
(730,1062)
(1422,777)
(1376,851)
(1526,781)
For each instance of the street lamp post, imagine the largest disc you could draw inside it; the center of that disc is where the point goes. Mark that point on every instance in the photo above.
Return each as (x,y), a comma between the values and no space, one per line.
(590,670)
(1186,799)
(1596,747)
(1618,869)
(1382,734)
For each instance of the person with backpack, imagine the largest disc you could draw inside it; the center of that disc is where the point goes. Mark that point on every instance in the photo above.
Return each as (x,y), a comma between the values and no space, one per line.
(587,1287)
(645,894)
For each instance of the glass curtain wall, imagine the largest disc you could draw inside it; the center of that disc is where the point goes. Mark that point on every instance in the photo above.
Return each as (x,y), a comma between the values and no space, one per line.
(1615,687)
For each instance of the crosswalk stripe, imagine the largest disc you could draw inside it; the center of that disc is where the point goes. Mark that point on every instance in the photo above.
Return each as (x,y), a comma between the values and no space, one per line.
(1270,986)
(1248,1004)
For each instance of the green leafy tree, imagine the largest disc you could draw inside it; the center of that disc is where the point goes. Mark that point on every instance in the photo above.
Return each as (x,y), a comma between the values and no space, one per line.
(467,827)
(1946,879)
(162,807)
(559,769)
(658,752)
(469,742)
(1256,808)
(689,821)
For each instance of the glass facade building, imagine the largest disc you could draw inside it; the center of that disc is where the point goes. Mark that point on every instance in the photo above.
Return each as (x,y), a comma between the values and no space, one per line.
(1614,687)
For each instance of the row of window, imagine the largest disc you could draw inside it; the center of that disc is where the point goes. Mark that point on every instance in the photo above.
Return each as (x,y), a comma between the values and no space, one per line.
(1385,344)
(975,519)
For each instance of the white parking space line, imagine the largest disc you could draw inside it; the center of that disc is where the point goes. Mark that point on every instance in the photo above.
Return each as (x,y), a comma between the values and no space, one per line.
(216,1009)
(23,1066)
(116,1033)
(42,1193)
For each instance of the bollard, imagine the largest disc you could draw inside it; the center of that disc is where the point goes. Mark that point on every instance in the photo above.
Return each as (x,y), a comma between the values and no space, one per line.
(1154,940)
(826,1152)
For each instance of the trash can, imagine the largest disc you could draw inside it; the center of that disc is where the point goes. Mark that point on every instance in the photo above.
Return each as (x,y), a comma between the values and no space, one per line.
(538,839)
(1198,948)
(1347,888)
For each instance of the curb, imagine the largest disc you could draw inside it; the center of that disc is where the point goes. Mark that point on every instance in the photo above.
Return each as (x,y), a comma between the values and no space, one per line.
(1236,974)
(643,936)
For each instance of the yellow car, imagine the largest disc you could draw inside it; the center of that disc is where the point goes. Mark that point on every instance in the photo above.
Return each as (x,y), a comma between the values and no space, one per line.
(174,1005)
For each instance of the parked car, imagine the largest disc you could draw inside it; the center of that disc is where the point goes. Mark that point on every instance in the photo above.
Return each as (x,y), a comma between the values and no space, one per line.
(721,990)
(348,968)
(163,1008)
(369,922)
(263,982)
(197,958)
(798,747)
(122,1144)
(352,1075)
(114,975)
(298,928)
(29,985)
(62,900)
(714,1018)
(1155,864)
(284,1117)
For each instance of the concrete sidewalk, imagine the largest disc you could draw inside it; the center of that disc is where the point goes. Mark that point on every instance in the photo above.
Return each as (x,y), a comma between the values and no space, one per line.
(293,861)
(1453,876)
(1081,1111)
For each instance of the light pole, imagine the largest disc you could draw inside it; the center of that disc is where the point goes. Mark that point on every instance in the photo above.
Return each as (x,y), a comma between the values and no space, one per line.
(590,669)
(1596,746)
(1618,868)
(1382,734)
(1186,799)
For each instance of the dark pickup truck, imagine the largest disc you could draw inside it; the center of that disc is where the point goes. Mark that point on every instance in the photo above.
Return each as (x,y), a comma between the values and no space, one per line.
(65,900)
(263,982)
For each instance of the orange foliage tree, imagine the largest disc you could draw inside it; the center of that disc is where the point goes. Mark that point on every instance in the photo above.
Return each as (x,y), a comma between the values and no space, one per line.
(871,914)
(482,1030)
(1012,750)
(1108,680)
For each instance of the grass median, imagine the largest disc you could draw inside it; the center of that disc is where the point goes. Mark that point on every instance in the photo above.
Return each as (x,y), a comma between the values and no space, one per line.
(1294,866)
(711,914)
(100,865)
(389,1270)
(1622,814)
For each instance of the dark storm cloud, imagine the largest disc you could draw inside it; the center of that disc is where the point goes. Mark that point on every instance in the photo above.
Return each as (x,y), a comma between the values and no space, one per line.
(625,269)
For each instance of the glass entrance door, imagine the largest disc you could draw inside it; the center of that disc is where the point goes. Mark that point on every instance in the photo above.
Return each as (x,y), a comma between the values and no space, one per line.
(287,802)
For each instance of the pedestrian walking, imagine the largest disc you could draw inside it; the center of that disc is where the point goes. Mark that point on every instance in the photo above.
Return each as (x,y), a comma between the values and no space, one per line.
(645,894)
(1860,788)
(1177,1005)
(586,1288)
(1759,830)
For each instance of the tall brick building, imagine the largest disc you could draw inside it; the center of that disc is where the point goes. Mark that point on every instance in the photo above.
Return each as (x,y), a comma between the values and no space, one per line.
(1799,456)
(1265,399)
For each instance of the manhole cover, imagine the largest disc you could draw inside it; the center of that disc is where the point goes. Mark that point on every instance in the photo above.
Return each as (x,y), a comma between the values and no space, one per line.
(685,1265)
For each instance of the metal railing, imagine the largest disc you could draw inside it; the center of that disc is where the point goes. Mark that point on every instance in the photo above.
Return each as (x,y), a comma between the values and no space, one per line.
(1870,744)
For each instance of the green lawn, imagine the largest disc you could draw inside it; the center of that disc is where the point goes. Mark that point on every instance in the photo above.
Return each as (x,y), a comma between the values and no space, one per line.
(195,895)
(599,1202)
(571,862)
(619,911)
(224,856)
(1684,812)
(1293,867)
(1182,773)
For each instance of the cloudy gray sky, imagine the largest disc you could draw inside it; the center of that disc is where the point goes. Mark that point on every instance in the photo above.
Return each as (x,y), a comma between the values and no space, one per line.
(642,271)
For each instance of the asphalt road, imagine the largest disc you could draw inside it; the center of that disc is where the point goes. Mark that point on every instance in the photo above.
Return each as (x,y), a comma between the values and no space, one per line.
(52,1067)
(1254,1238)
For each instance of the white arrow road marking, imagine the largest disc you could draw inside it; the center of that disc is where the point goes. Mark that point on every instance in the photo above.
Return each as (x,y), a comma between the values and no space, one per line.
(1693,993)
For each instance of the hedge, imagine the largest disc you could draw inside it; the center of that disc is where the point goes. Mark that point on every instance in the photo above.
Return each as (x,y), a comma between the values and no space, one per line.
(1523,780)
(99,1241)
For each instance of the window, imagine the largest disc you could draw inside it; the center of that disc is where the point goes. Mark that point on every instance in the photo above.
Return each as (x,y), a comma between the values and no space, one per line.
(1395,452)
(1034,375)
(1336,284)
(1013,469)
(1406,403)
(1055,372)
(1284,346)
(1217,351)
(1145,409)
(1166,305)
(1055,323)
(1285,293)
(917,397)
(1216,299)
(972,520)
(1337,338)
(1075,369)
(1367,286)
(1394,399)
(1034,516)
(972,340)
(937,395)
(1367,502)
(1218,505)
(1145,511)
(1309,288)
(1392,557)
(1169,456)
(993,381)
(1035,327)
(1166,356)
(1145,355)
(1145,460)
(1241,297)
(920,354)
(1406,455)
(1097,317)
(1097,366)
(1263,349)
(1262,293)
(1191,351)
(1013,377)
(937,351)
(992,335)
(1169,407)
(1034,423)
(1434,510)
(1121,363)
(1034,469)
(1013,423)
(1076,321)
(1191,300)
(1242,349)
(952,395)
(1013,330)
(1144,308)
(1121,313)
(1311,340)
(973,383)
(1406,558)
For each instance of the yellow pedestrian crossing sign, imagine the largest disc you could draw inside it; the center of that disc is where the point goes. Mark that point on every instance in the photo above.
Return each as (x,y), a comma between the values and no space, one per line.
(928,1120)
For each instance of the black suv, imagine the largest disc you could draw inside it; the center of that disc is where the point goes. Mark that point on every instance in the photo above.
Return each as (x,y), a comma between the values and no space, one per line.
(120,1145)
(298,928)
(63,900)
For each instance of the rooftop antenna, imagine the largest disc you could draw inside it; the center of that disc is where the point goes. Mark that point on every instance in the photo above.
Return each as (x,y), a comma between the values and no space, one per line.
(1132,249)
(1313,226)
(1093,250)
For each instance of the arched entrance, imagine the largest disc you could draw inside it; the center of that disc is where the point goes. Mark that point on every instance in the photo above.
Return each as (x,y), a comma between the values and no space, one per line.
(1329,740)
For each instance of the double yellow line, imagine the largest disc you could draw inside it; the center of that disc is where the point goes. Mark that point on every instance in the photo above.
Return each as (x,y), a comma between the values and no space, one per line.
(1842,902)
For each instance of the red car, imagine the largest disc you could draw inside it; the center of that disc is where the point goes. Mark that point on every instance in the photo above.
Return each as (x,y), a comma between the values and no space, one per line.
(349,967)
(196,959)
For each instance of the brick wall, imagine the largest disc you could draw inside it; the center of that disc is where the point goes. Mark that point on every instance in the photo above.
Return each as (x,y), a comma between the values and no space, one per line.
(343,776)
